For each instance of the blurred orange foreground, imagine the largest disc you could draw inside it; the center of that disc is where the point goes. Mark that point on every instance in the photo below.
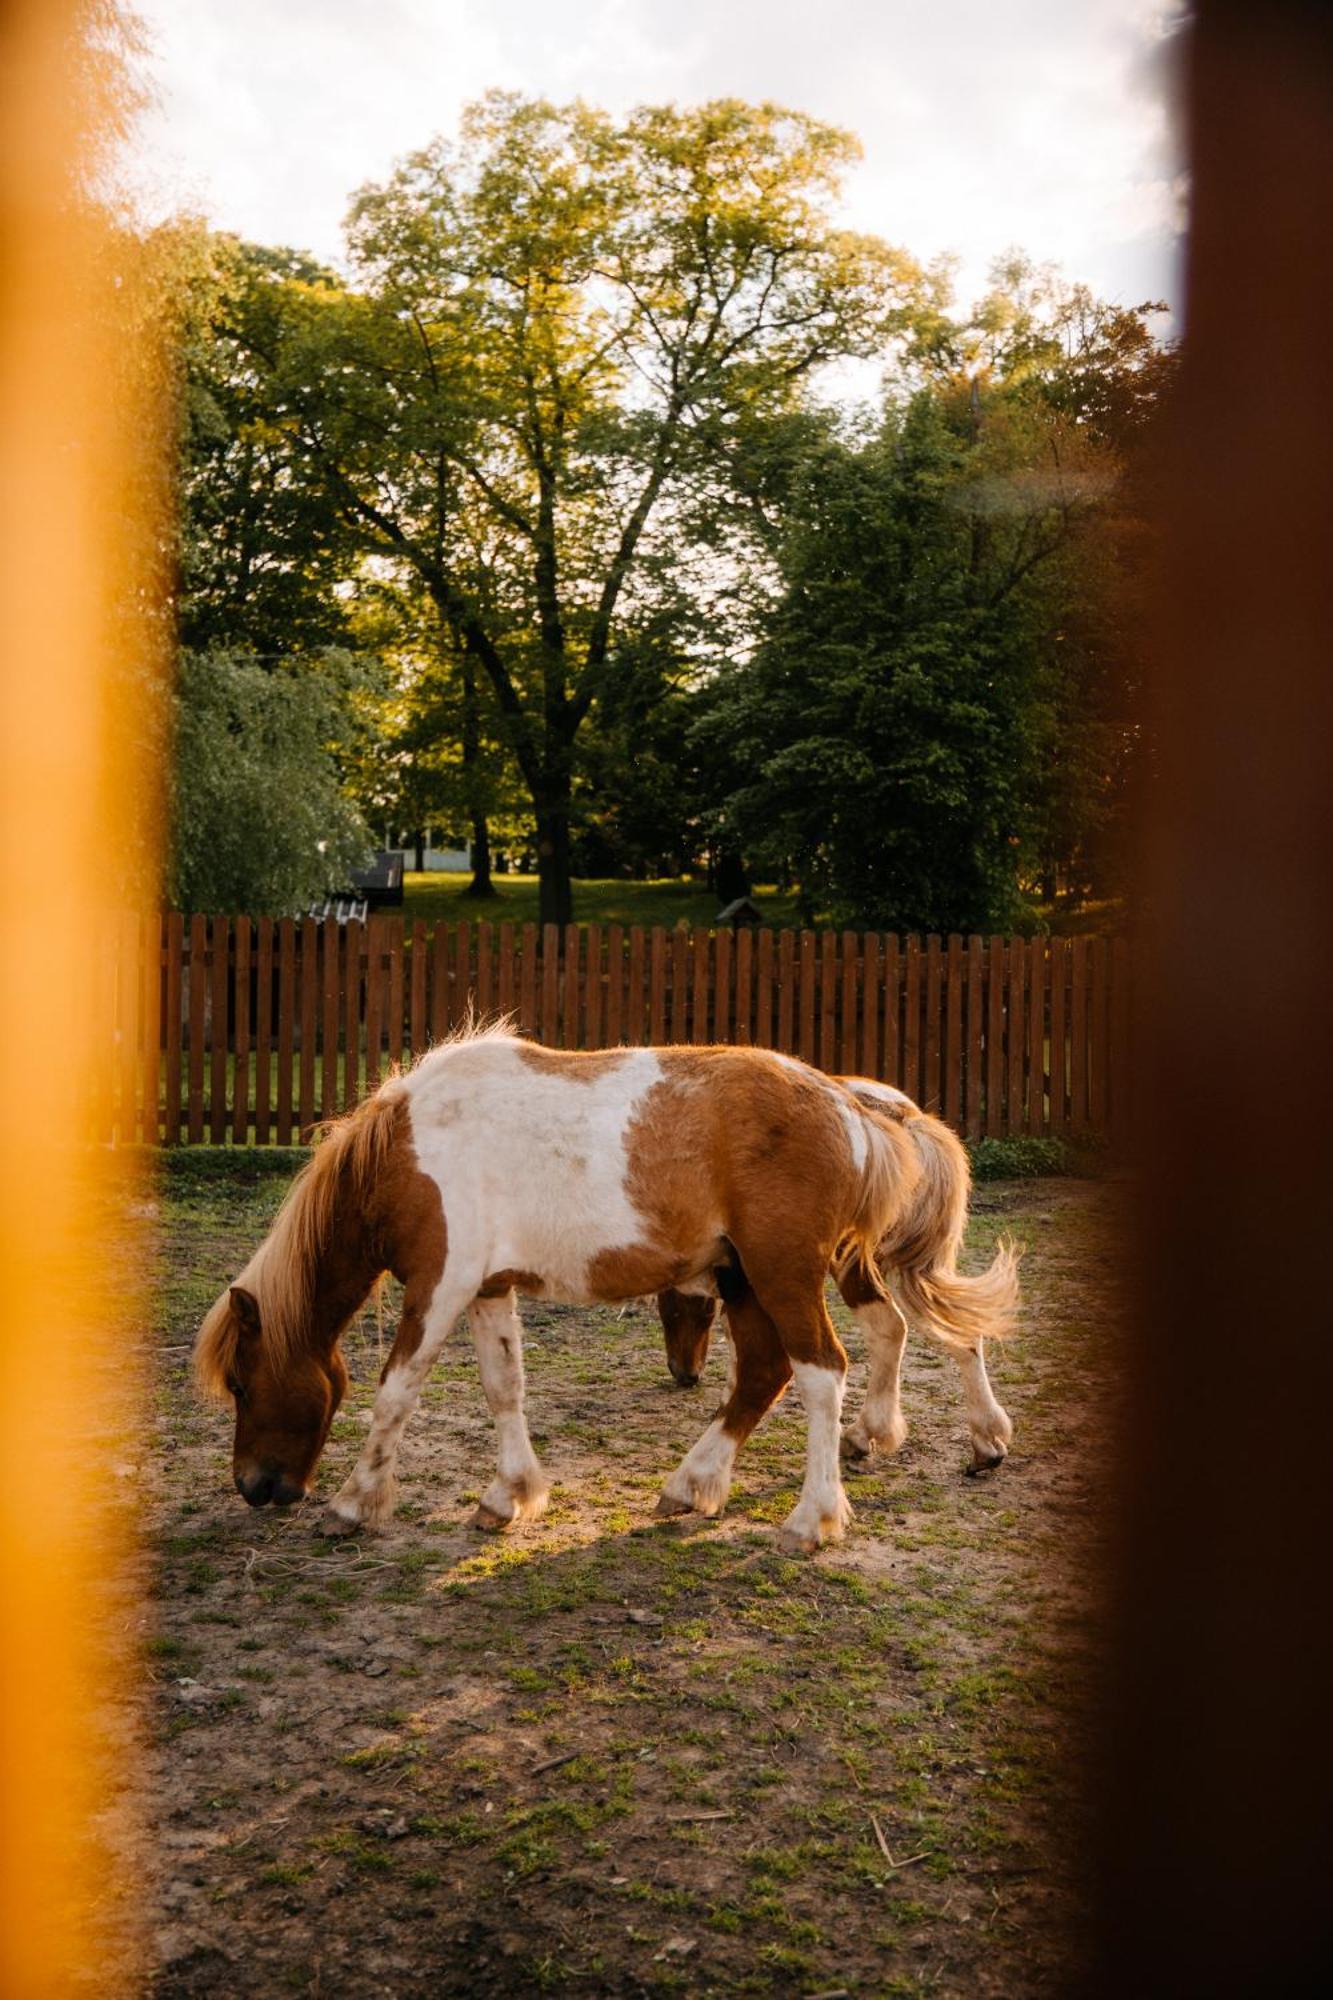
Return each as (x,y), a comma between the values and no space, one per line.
(70,582)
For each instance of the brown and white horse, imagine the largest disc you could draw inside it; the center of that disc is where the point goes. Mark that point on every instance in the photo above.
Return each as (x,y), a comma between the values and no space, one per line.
(688,1318)
(497,1166)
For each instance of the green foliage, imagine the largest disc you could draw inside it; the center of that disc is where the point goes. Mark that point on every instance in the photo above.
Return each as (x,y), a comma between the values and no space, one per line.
(259,821)
(1020,1159)
(941,720)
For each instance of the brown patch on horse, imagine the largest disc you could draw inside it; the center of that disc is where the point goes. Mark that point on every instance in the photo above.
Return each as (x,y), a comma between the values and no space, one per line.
(763,1368)
(738,1143)
(858,1277)
(575,1065)
(413,1236)
(500,1282)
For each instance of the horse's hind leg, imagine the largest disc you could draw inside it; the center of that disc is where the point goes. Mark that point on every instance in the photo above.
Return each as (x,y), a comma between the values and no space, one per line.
(990,1425)
(792,1294)
(521,1489)
(701,1482)
(881,1420)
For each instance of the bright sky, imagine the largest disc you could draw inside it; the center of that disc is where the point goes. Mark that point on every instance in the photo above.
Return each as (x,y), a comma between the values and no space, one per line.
(1037,123)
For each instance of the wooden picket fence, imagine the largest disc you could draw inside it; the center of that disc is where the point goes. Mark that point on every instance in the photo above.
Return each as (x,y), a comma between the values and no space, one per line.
(248,1032)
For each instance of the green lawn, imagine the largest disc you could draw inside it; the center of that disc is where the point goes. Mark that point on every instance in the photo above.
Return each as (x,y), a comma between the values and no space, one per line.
(669,901)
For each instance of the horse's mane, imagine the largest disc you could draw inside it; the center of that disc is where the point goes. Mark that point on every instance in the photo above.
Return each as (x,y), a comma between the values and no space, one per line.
(348,1160)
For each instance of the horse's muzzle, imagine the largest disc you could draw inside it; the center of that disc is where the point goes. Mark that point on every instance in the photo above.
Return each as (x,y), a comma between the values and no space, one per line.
(683,1377)
(259,1487)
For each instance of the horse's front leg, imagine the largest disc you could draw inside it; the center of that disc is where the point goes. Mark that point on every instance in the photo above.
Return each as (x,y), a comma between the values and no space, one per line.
(367,1496)
(760,1373)
(521,1489)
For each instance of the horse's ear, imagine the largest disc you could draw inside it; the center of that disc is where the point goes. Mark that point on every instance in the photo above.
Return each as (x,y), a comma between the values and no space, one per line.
(246,1308)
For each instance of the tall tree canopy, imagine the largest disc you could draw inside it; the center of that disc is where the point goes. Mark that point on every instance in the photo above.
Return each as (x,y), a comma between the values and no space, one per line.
(942,714)
(557,334)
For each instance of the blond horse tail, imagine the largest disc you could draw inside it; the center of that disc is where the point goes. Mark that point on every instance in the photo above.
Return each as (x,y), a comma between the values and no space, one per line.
(921,1248)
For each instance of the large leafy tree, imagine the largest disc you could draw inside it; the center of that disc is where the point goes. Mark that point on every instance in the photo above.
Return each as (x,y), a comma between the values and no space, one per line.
(557,332)
(942,711)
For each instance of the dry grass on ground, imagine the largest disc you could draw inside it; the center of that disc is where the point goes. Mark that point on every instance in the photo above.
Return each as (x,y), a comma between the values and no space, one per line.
(606,1756)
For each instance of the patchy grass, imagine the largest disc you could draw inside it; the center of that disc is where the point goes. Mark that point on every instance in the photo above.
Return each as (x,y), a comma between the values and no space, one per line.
(668,901)
(613,1756)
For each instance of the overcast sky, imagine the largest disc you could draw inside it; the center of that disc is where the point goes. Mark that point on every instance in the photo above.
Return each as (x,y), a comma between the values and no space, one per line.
(1037,123)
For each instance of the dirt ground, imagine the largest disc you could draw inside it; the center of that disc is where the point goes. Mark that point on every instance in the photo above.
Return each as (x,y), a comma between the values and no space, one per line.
(608,1755)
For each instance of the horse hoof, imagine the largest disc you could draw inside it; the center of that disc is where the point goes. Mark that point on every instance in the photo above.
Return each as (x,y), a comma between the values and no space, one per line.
(668,1507)
(983,1462)
(853,1450)
(335,1525)
(795,1542)
(489,1521)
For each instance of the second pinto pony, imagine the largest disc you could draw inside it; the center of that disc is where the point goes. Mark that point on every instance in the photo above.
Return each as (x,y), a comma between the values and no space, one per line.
(497,1166)
(918,1256)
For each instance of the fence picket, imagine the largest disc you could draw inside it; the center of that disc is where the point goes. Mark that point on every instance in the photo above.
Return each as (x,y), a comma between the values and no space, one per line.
(1078,1037)
(699,991)
(995,1039)
(680,990)
(952,1111)
(571,982)
(175,987)
(827,1005)
(1014,1023)
(868,1064)
(286,1016)
(912,1075)
(1059,1063)
(634,997)
(891,1065)
(263,1028)
(932,1090)
(354,951)
(217,1032)
(240,1076)
(976,980)
(614,1031)
(1034,1116)
(416,987)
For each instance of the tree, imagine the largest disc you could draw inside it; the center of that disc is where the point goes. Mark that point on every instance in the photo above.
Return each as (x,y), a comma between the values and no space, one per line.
(942,708)
(263,547)
(559,329)
(260,821)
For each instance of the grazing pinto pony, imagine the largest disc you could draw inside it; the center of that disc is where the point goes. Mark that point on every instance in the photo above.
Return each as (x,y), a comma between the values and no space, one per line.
(956,1312)
(497,1166)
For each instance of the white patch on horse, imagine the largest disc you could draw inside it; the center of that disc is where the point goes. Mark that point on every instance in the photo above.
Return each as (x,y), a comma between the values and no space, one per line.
(822,1512)
(856,1132)
(530,1164)
(887,1093)
(702,1481)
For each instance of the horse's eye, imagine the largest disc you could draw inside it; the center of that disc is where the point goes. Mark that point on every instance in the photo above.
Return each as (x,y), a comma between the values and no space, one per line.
(234,1389)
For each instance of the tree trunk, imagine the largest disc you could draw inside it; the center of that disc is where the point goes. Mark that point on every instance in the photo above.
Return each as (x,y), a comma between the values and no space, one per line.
(480,885)
(555,885)
(419,848)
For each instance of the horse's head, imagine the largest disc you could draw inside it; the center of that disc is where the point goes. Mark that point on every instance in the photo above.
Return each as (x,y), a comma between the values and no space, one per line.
(284,1402)
(687,1326)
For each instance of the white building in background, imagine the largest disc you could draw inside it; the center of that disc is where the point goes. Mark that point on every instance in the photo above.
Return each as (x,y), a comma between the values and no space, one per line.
(437,860)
